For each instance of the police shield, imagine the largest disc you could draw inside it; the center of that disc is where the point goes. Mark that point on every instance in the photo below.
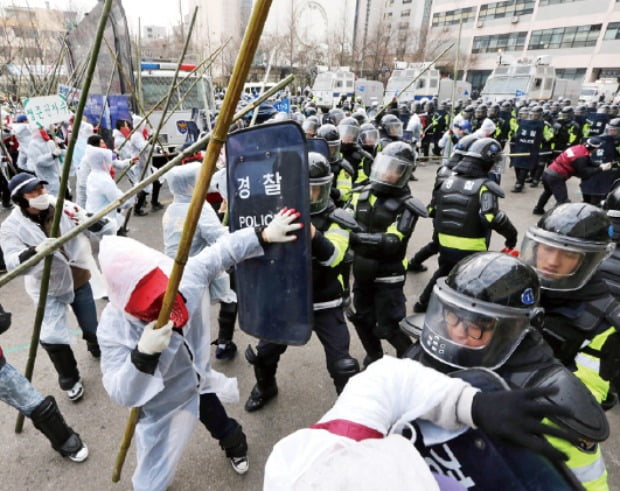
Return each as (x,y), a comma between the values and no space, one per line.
(527,141)
(600,184)
(268,170)
(318,145)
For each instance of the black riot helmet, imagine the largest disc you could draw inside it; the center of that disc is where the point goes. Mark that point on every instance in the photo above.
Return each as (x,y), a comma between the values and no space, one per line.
(581,110)
(493,111)
(468,112)
(310,126)
(392,126)
(506,106)
(613,110)
(481,312)
(611,205)
(429,107)
(536,113)
(335,115)
(480,158)
(523,113)
(613,128)
(321,179)
(555,107)
(567,245)
(360,116)
(330,134)
(349,130)
(369,135)
(392,167)
(566,114)
(481,111)
(460,149)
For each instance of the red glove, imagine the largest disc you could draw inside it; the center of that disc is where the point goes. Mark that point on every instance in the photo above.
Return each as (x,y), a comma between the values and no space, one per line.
(510,251)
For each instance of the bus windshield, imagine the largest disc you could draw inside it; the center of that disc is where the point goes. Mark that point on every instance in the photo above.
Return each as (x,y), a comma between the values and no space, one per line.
(506,85)
(323,81)
(155,88)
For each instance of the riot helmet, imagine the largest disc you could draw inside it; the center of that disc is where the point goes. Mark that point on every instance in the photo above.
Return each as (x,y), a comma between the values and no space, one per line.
(298,118)
(330,134)
(604,109)
(310,111)
(349,130)
(581,110)
(321,179)
(593,142)
(566,114)
(392,126)
(429,107)
(335,115)
(613,110)
(468,112)
(613,128)
(310,126)
(369,135)
(506,106)
(566,102)
(280,116)
(460,149)
(567,245)
(392,167)
(360,116)
(481,312)
(480,157)
(481,111)
(536,113)
(493,112)
(555,107)
(611,205)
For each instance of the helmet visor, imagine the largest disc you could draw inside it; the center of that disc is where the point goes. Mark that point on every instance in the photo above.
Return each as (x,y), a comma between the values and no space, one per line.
(394,129)
(390,171)
(334,150)
(562,263)
(370,137)
(465,332)
(319,193)
(348,133)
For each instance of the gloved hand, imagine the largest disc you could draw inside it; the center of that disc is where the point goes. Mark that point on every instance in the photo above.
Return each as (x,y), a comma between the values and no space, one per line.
(606,166)
(56,152)
(281,225)
(510,251)
(154,340)
(75,213)
(45,244)
(515,416)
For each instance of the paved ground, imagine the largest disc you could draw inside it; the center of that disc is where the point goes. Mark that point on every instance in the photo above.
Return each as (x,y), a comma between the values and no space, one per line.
(27,461)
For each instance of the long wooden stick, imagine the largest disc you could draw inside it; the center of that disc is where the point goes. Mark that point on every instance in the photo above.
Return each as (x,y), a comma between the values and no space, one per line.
(192,149)
(239,75)
(34,341)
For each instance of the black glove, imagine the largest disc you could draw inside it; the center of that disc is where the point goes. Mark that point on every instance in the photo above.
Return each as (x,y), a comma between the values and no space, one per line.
(5,320)
(515,416)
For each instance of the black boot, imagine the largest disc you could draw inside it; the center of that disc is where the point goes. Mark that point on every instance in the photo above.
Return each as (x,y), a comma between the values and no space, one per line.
(236,447)
(265,388)
(155,204)
(62,357)
(226,349)
(342,370)
(138,209)
(47,419)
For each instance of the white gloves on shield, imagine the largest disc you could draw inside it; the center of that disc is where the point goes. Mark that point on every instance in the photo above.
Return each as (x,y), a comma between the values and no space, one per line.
(155,340)
(281,225)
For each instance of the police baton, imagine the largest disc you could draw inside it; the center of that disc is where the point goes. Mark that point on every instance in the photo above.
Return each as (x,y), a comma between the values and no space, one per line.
(238,77)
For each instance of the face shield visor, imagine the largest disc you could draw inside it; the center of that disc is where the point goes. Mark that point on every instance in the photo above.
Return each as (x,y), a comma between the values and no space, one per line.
(309,127)
(390,171)
(562,263)
(370,137)
(334,150)
(465,332)
(319,193)
(394,129)
(348,133)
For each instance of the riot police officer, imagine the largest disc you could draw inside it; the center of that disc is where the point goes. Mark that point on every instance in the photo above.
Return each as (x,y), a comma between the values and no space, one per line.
(485,314)
(343,172)
(466,211)
(566,247)
(597,186)
(567,130)
(526,144)
(369,138)
(330,240)
(391,130)
(387,214)
(359,158)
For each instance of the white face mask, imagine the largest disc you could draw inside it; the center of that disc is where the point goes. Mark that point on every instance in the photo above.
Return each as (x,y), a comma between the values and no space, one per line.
(41,202)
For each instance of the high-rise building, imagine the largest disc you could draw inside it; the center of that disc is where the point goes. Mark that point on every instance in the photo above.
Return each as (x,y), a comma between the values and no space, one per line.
(581,37)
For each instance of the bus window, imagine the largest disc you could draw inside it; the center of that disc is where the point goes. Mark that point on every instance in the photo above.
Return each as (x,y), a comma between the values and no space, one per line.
(156,88)
(537,83)
(338,84)
(421,84)
(434,83)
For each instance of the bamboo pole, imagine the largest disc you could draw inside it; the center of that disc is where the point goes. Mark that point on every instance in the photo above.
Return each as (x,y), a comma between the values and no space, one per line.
(424,70)
(139,99)
(199,144)
(454,74)
(59,203)
(239,75)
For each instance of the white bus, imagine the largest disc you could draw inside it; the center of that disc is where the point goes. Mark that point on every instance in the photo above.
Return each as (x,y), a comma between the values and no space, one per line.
(330,86)
(156,81)
(252,89)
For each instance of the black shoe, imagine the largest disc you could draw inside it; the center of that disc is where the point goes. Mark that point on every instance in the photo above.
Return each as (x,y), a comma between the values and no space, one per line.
(416,267)
(93,349)
(534,184)
(517,189)
(259,397)
(419,308)
(528,179)
(413,178)
(140,212)
(122,232)
(538,211)
(157,206)
(226,351)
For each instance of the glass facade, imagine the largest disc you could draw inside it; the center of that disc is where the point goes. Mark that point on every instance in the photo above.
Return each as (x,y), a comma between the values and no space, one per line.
(510,8)
(513,41)
(565,37)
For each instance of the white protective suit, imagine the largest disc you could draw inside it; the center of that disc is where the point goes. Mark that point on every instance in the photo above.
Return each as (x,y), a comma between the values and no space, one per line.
(23,133)
(86,129)
(119,139)
(101,190)
(387,395)
(43,162)
(138,146)
(170,397)
(18,233)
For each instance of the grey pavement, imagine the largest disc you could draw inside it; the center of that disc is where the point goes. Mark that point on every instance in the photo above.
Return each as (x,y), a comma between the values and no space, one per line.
(27,461)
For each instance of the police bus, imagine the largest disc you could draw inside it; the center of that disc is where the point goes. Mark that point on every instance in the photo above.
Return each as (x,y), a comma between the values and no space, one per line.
(330,86)
(195,104)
